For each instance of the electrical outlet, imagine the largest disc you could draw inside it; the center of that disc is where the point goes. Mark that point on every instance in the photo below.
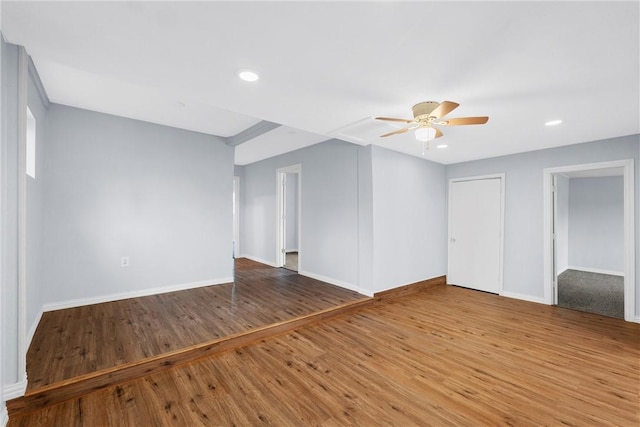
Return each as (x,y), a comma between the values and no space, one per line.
(124,261)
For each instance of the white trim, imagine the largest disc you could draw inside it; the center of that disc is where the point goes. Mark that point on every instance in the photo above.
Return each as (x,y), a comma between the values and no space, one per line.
(339,283)
(637,319)
(260,260)
(629,229)
(523,297)
(134,294)
(4,415)
(502,177)
(280,233)
(236,216)
(594,270)
(478,177)
(34,326)
(11,391)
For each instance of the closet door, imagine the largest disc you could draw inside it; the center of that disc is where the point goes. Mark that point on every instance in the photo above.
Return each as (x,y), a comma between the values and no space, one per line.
(475,234)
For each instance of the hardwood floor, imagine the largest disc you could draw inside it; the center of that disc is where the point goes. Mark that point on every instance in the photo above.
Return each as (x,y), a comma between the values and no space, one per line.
(444,356)
(78,341)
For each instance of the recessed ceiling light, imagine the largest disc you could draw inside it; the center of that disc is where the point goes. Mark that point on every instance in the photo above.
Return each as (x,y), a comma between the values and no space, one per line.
(553,122)
(248,76)
(441,146)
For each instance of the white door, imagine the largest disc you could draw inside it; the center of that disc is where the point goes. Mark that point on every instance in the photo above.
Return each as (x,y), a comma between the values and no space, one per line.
(475,234)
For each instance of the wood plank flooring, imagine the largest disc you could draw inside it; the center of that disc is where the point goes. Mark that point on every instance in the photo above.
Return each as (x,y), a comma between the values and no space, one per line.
(78,341)
(445,356)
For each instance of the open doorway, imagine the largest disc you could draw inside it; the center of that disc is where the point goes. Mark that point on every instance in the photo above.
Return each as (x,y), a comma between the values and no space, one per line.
(589,238)
(589,234)
(288,214)
(236,217)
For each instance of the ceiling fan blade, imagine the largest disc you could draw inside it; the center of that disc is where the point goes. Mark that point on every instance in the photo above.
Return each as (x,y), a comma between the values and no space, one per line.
(392,119)
(443,109)
(396,132)
(438,132)
(465,121)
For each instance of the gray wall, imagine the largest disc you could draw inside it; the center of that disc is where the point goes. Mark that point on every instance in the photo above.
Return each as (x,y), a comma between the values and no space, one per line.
(523,259)
(3,409)
(409,218)
(596,223)
(119,187)
(37,102)
(372,219)
(562,223)
(365,218)
(9,159)
(329,210)
(291,200)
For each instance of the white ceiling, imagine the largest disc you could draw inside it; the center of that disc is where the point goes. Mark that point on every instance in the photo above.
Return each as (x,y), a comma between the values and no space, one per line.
(328,67)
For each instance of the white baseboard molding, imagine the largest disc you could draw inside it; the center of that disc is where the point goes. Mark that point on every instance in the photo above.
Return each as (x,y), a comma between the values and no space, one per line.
(596,270)
(335,282)
(32,329)
(562,270)
(260,260)
(637,319)
(133,294)
(4,415)
(530,298)
(11,391)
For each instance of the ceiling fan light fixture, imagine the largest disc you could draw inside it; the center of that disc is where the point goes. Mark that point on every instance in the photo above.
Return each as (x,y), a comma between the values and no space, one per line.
(426,133)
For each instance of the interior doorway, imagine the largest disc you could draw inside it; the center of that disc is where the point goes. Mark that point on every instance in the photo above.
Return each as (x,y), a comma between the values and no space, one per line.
(589,241)
(288,217)
(236,217)
(600,199)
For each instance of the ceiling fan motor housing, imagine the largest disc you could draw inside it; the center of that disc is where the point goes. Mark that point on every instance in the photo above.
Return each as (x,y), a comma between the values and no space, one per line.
(424,109)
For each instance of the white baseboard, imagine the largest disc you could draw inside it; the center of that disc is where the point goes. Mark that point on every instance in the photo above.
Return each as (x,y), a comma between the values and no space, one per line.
(335,282)
(32,329)
(637,319)
(596,270)
(4,415)
(133,294)
(530,298)
(11,391)
(260,260)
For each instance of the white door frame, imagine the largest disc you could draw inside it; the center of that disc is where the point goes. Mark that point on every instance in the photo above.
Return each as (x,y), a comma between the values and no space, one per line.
(280,213)
(236,216)
(500,176)
(550,293)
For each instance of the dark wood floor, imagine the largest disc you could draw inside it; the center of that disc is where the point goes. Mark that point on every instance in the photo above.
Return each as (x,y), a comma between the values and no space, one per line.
(69,343)
(445,356)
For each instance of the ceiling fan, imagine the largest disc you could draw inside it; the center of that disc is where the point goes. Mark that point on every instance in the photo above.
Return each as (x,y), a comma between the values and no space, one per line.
(430,113)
